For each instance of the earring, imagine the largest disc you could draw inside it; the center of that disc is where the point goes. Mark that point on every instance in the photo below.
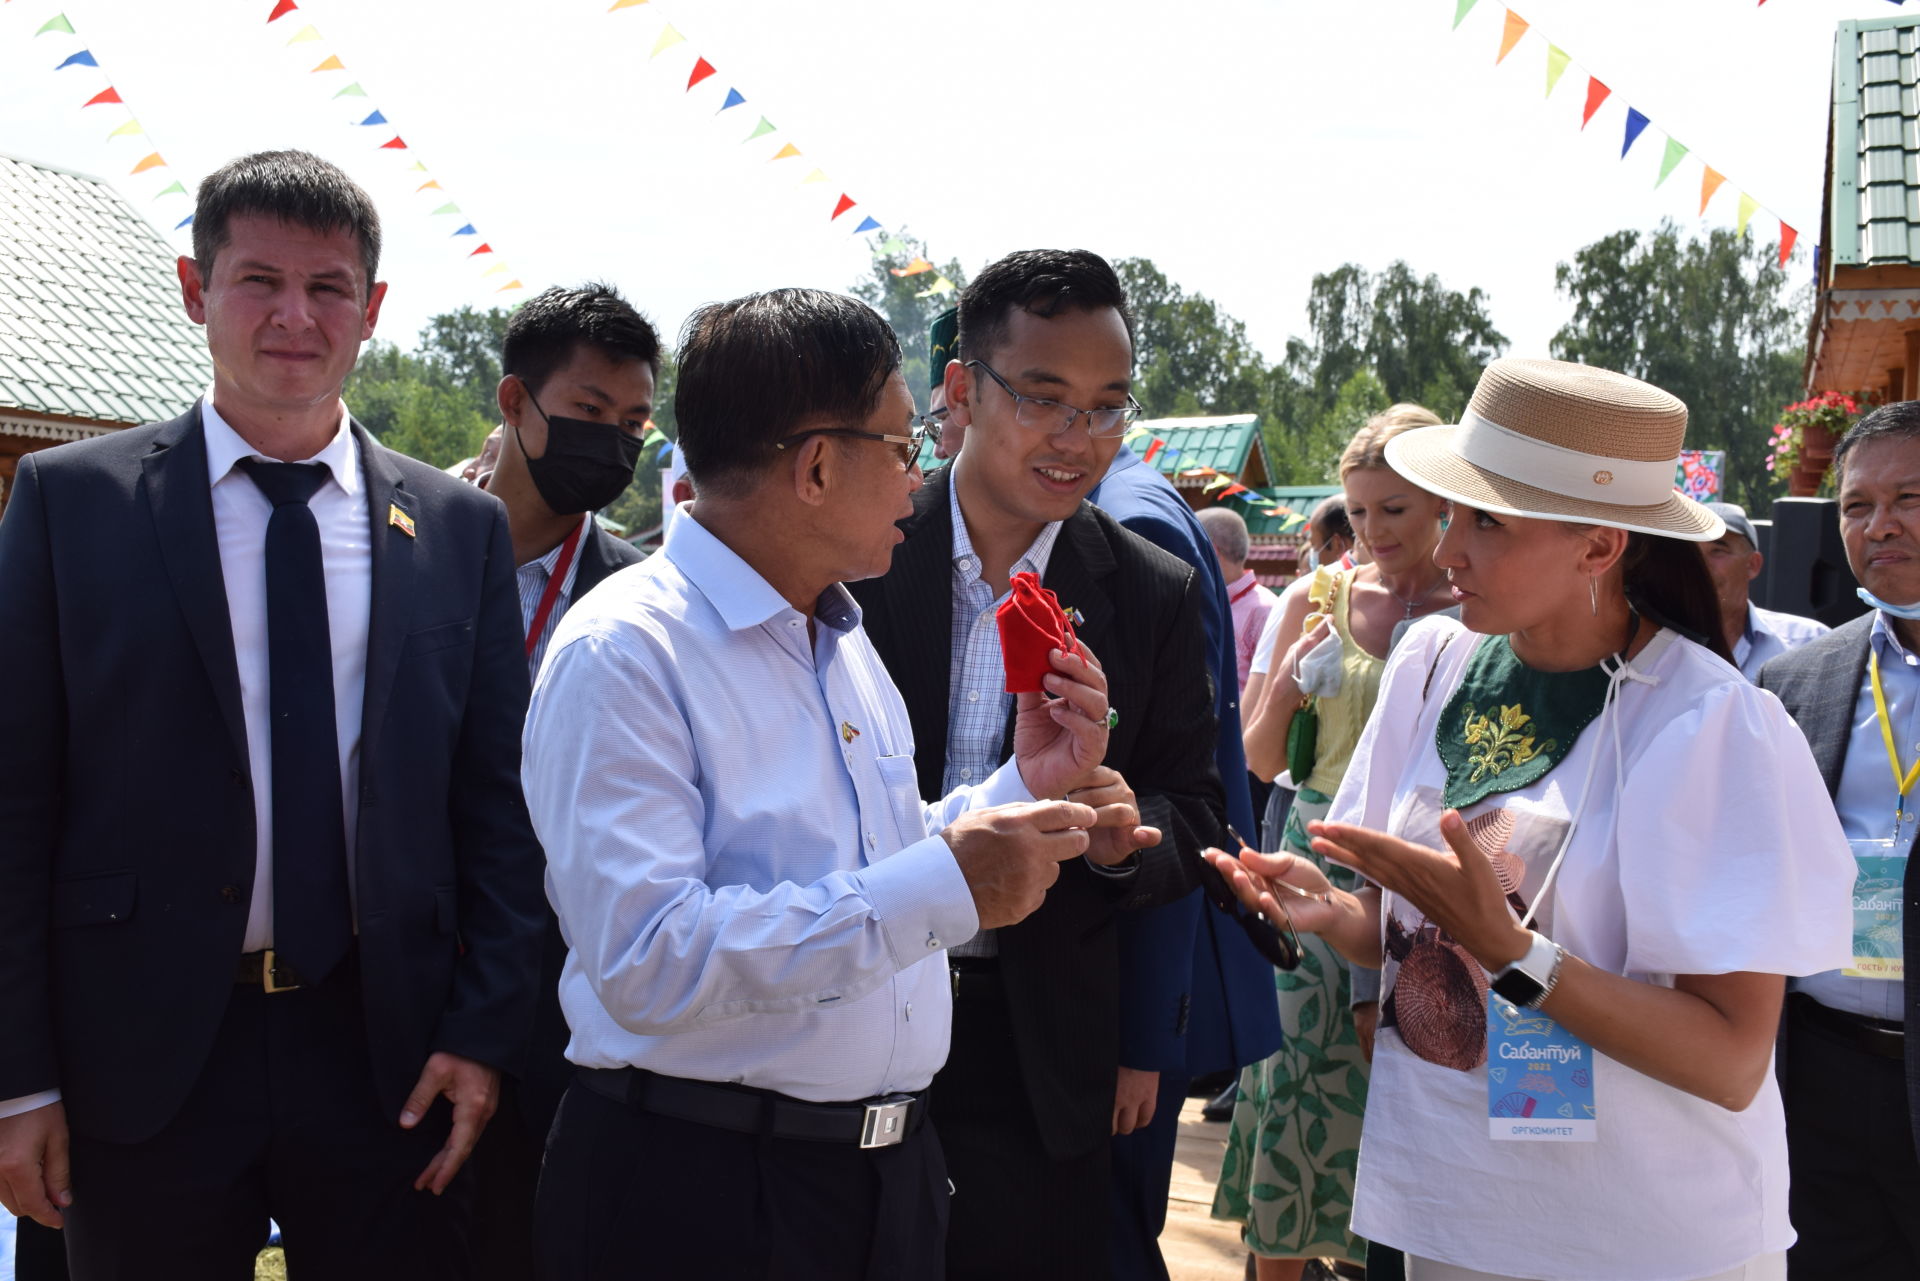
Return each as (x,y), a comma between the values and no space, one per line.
(1593,594)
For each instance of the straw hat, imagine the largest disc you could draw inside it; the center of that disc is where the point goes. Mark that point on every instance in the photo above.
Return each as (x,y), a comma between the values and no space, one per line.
(1549,440)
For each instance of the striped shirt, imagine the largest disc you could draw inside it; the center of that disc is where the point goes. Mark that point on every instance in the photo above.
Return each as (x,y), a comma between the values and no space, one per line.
(532,580)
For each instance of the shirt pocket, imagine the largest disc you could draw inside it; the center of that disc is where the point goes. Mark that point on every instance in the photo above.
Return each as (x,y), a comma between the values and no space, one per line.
(897,775)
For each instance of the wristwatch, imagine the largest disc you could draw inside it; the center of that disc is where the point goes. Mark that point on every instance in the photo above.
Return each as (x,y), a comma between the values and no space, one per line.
(1531,979)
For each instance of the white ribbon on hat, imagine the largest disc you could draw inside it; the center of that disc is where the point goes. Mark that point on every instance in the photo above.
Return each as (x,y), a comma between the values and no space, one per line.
(1622,482)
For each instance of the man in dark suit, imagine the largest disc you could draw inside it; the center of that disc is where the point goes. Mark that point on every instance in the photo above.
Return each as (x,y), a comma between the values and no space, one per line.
(268,890)
(1040,390)
(1850,1076)
(576,400)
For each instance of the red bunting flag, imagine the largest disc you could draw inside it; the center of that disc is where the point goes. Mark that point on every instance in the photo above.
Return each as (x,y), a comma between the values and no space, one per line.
(846,202)
(1787,234)
(1596,94)
(483,249)
(701,70)
(105,95)
(395,145)
(1235,488)
(1515,28)
(1157,445)
(151,162)
(282,9)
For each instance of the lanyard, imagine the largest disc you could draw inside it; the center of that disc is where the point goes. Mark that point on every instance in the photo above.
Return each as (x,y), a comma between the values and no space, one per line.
(1902,782)
(559,576)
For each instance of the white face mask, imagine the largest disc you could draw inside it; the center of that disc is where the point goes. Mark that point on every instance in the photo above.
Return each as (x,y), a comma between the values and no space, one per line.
(1313,556)
(1909,612)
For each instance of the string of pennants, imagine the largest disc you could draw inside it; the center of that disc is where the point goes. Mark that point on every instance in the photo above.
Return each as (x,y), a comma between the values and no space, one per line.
(1225,486)
(430,190)
(152,161)
(764,135)
(1559,61)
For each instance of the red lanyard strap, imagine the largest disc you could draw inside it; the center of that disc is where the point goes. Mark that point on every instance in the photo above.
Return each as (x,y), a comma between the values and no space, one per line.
(552,593)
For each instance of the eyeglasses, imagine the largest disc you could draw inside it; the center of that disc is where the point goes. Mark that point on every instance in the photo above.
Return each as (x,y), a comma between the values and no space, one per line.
(1054,418)
(909,452)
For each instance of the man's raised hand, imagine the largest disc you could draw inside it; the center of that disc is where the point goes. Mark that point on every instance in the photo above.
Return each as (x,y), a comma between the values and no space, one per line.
(1059,741)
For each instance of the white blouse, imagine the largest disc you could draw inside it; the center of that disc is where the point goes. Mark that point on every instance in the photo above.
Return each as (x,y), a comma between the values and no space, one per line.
(1713,850)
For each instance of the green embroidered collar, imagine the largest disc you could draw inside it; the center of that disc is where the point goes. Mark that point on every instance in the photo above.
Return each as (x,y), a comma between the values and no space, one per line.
(1507,725)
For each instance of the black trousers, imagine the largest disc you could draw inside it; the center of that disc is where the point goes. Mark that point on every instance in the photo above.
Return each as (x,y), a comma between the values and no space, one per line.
(1142,1181)
(1855,1195)
(283,1123)
(1017,1212)
(627,1195)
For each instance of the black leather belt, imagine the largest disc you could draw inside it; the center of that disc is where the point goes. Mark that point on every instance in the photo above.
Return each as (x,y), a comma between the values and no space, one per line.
(1870,1036)
(871,1123)
(975,975)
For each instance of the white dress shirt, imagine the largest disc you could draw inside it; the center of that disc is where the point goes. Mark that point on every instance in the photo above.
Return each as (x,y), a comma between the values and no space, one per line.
(736,847)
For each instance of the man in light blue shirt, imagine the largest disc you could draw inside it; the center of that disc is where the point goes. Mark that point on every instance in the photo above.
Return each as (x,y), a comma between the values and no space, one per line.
(721,773)
(1849,1074)
(1755,636)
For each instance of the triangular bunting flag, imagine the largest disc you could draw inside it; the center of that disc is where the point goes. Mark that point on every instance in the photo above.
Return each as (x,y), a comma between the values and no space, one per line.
(394,145)
(306,35)
(783,153)
(818,175)
(447,208)
(1709,183)
(183,222)
(1510,36)
(653,437)
(1635,123)
(483,249)
(417,166)
(1747,205)
(668,38)
(624,4)
(1596,94)
(913,268)
(1235,488)
(734,99)
(701,70)
(105,95)
(282,9)
(514,284)
(375,119)
(153,161)
(1787,236)
(466,231)
(431,182)
(1153,448)
(1675,153)
(1460,9)
(845,203)
(940,287)
(352,91)
(332,63)
(1557,60)
(131,127)
(176,188)
(760,130)
(498,269)
(58,22)
(81,59)
(866,225)
(893,245)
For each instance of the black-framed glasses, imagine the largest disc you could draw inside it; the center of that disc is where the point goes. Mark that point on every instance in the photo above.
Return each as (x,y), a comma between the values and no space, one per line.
(1055,417)
(909,452)
(1282,951)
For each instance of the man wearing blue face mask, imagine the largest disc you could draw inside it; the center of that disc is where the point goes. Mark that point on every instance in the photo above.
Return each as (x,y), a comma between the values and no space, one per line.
(575,396)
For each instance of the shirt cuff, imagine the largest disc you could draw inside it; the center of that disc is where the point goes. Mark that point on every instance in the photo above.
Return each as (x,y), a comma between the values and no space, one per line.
(27,1103)
(921,900)
(1119,871)
(1002,787)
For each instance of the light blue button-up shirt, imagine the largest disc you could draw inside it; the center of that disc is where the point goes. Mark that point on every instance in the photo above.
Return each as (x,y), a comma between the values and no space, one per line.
(736,847)
(1867,802)
(1770,634)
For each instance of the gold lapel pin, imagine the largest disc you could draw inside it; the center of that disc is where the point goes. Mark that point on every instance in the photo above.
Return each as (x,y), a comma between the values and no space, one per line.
(847,732)
(400,520)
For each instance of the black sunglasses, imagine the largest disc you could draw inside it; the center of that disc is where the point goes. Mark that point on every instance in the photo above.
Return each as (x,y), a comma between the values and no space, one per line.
(1282,951)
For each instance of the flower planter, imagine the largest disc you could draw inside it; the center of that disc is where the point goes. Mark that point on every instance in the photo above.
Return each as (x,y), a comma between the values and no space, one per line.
(1804,480)
(1816,444)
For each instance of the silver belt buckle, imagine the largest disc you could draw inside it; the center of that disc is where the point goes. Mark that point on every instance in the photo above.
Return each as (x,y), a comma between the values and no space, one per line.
(885,1123)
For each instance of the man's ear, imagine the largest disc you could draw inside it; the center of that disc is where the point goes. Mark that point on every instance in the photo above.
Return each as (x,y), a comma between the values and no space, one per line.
(959,388)
(813,470)
(193,289)
(1755,563)
(511,396)
(375,296)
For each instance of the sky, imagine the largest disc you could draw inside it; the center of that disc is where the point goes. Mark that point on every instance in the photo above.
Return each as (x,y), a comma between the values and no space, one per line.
(1242,145)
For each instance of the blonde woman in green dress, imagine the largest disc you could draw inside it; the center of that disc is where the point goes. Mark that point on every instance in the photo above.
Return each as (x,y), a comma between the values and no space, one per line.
(1292,1148)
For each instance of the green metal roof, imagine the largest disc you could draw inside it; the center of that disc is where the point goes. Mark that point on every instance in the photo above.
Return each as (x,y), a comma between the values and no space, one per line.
(90,320)
(1874,188)
(1224,444)
(1294,503)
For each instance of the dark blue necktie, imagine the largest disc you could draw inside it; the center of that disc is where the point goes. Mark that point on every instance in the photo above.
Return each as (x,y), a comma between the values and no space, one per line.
(312,915)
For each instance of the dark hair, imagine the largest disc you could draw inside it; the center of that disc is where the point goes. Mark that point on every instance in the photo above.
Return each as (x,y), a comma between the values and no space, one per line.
(1330,521)
(1667,581)
(293,186)
(759,368)
(1039,281)
(1897,421)
(545,331)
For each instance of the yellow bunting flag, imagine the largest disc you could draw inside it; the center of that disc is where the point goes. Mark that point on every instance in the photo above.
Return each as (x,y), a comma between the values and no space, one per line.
(1709,183)
(1515,28)
(332,63)
(624,4)
(784,152)
(498,268)
(818,175)
(131,127)
(306,35)
(668,38)
(151,162)
(1747,205)
(1557,60)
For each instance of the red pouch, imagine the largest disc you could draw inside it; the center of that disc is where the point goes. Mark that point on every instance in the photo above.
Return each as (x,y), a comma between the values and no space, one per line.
(1031,623)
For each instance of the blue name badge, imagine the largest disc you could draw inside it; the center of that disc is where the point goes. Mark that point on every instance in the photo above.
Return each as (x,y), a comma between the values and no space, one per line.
(1878,892)
(1539,1078)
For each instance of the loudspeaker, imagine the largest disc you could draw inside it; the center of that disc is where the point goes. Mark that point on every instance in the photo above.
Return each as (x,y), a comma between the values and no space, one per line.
(1806,569)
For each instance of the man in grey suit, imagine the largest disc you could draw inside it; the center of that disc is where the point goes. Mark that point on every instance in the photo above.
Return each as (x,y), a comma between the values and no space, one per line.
(1850,1076)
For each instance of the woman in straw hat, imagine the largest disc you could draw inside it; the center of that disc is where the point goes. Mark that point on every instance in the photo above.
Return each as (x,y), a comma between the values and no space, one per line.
(1598,850)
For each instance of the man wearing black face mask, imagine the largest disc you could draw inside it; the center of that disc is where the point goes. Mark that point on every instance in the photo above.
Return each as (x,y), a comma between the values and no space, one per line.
(576,392)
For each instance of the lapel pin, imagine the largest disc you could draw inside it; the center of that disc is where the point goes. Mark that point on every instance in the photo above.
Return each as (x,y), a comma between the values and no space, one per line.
(400,520)
(1075,615)
(847,732)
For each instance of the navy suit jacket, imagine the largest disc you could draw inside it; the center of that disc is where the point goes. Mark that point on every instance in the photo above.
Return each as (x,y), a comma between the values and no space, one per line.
(127,863)
(1200,998)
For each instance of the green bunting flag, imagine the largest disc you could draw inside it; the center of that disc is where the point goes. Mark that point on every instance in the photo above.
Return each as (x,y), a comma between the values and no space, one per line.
(352,91)
(1557,60)
(760,130)
(1460,10)
(1675,153)
(58,22)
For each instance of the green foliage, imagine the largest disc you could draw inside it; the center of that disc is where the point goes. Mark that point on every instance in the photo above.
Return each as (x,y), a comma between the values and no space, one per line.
(1711,320)
(897,298)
